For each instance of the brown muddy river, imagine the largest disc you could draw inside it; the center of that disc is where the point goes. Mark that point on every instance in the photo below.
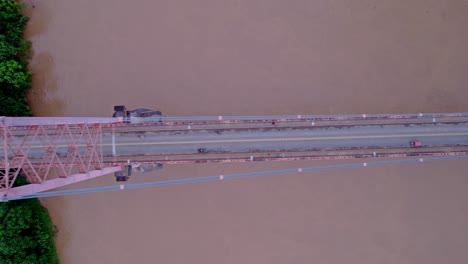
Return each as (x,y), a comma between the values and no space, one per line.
(241,57)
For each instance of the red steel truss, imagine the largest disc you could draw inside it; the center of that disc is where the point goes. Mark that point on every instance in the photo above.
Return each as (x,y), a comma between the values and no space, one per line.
(52,152)
(31,147)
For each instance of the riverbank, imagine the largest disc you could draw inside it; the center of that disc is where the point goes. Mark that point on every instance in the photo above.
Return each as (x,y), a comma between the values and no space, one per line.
(27,232)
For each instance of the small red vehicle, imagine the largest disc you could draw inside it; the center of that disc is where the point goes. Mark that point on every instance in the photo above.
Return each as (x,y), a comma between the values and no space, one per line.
(415,143)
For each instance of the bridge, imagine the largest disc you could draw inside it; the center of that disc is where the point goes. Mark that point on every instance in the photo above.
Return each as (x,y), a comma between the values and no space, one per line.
(54,152)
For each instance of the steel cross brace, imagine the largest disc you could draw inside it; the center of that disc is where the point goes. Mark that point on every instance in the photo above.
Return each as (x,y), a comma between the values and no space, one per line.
(81,160)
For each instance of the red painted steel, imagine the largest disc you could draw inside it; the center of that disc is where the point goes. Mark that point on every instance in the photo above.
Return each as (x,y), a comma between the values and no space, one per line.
(58,182)
(22,134)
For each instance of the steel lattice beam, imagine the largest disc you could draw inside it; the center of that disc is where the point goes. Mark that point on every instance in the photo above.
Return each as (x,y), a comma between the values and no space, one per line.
(30,147)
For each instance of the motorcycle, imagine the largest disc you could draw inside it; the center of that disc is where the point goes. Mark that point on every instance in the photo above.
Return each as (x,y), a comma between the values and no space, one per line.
(202,150)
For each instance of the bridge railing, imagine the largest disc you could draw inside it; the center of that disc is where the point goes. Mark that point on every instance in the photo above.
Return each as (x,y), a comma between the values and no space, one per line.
(308,117)
(26,121)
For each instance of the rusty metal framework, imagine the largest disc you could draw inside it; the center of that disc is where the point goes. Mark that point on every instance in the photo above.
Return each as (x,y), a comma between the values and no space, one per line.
(49,150)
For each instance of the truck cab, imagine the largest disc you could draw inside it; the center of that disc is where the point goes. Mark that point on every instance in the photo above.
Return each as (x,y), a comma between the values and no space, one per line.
(121,112)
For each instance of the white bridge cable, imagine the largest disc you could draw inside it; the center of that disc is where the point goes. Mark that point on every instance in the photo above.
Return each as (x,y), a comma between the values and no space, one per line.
(223,177)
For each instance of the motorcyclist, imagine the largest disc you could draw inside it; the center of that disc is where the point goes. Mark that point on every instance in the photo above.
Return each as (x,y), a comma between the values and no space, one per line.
(202,150)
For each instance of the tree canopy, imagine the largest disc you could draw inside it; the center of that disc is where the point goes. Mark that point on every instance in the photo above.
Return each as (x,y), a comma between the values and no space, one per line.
(26,230)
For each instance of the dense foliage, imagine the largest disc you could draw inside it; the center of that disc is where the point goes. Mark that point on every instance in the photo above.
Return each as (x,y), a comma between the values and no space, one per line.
(15,78)
(26,230)
(26,233)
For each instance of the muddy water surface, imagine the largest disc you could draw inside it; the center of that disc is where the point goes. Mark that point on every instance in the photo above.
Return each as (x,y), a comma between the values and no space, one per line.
(259,57)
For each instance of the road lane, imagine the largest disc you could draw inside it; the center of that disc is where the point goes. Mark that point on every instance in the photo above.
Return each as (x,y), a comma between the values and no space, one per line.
(272,139)
(187,142)
(256,140)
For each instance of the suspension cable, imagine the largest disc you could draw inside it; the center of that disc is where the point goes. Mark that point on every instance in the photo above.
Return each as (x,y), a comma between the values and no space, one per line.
(223,177)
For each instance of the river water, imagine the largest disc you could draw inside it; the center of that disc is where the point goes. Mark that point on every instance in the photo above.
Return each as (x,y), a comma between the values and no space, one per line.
(241,57)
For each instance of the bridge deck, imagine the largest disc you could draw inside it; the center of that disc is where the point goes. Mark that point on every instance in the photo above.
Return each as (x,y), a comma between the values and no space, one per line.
(147,142)
(242,140)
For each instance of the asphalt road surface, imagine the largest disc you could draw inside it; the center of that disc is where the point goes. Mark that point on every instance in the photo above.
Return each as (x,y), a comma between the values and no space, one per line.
(274,139)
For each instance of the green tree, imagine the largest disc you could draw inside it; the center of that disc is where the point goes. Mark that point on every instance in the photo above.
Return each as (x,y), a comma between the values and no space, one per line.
(26,230)
(7,51)
(14,76)
(26,233)
(14,106)
(12,22)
